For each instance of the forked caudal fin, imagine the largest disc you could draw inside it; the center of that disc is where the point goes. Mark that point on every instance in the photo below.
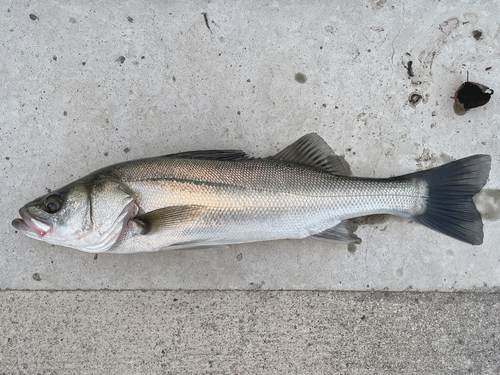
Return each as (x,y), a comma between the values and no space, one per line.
(450,208)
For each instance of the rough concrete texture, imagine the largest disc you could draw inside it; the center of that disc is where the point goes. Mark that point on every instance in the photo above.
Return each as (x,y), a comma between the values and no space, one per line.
(87,84)
(215,332)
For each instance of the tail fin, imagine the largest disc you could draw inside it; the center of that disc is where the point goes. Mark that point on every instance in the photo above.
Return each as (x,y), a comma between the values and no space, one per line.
(450,209)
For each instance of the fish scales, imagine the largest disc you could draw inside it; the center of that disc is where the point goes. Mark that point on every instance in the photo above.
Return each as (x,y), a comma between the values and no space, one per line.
(259,199)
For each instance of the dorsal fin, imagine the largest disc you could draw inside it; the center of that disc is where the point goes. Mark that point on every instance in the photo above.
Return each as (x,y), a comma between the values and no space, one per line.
(211,155)
(311,150)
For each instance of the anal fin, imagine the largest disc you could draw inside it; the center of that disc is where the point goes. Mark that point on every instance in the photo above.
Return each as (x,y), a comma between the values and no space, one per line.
(342,232)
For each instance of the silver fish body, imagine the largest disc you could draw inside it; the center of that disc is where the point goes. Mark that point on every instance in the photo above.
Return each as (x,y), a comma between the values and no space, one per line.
(214,198)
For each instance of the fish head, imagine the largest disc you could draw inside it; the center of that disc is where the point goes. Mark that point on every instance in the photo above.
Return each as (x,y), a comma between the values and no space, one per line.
(86,216)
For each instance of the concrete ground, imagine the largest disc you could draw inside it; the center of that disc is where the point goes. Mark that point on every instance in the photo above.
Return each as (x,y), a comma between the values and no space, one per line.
(248,332)
(87,84)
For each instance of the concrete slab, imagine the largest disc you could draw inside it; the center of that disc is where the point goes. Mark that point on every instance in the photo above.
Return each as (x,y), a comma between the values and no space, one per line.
(87,84)
(293,332)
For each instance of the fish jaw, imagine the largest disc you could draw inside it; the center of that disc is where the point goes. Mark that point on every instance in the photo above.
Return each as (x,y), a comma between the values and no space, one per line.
(30,226)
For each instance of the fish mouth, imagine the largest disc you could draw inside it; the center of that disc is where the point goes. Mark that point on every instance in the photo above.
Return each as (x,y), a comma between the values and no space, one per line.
(29,224)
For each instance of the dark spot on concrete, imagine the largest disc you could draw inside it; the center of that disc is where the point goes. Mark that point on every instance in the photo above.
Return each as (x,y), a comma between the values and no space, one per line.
(143,57)
(33,17)
(121,59)
(324,105)
(130,19)
(410,69)
(414,99)
(107,121)
(248,80)
(7,158)
(49,190)
(300,78)
(488,68)
(239,257)
(321,47)
(175,299)
(95,256)
(371,219)
(351,248)
(471,95)
(36,276)
(238,113)
(477,34)
(106,153)
(83,63)
(126,150)
(363,317)
(72,20)
(65,113)
(54,58)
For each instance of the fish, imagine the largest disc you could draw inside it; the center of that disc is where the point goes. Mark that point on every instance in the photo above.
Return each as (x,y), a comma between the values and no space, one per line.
(211,198)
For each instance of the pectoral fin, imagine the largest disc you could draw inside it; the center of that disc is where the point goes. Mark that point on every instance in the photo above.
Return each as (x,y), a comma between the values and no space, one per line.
(168,217)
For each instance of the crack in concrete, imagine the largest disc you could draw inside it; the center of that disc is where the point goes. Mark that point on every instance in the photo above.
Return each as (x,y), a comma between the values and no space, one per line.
(397,35)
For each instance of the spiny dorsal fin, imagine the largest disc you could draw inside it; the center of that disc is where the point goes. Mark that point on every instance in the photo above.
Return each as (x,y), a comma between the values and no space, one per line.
(168,217)
(311,150)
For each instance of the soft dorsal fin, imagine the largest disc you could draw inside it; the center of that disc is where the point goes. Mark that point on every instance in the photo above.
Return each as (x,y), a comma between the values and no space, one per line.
(311,150)
(211,155)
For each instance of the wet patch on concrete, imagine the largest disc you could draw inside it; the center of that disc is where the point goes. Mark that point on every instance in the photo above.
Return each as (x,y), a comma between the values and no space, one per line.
(372,219)
(488,204)
(351,248)
(430,160)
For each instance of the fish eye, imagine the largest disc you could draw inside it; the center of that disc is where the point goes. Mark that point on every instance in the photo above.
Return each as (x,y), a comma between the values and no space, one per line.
(53,203)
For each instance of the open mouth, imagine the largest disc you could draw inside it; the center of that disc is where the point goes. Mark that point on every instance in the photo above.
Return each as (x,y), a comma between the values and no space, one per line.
(30,224)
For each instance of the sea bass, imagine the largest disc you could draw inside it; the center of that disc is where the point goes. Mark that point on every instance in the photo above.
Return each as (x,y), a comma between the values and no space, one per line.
(213,198)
